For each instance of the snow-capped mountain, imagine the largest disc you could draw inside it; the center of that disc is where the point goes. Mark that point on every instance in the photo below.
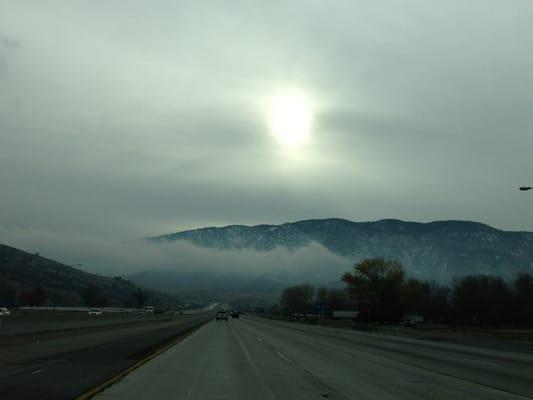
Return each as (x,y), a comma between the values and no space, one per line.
(437,250)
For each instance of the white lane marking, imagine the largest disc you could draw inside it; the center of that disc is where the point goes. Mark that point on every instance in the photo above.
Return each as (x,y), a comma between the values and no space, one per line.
(480,362)
(36,372)
(259,339)
(244,350)
(269,392)
(282,356)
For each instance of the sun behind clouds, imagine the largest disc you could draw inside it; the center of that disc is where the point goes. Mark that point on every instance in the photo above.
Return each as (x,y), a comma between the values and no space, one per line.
(290,118)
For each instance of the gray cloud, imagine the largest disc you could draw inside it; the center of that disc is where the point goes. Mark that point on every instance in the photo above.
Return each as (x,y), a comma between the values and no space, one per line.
(122,124)
(7,43)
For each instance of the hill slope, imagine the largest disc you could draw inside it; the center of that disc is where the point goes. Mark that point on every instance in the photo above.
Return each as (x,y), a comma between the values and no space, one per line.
(25,272)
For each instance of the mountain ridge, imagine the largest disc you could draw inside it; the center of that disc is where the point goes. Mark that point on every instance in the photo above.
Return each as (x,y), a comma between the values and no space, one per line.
(377,222)
(438,250)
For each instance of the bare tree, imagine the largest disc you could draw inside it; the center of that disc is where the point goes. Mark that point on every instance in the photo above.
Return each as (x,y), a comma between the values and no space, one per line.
(298,299)
(141,297)
(377,284)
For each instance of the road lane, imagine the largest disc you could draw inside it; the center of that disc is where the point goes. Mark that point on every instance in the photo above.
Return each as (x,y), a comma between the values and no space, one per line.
(504,370)
(253,358)
(65,366)
(438,367)
(219,361)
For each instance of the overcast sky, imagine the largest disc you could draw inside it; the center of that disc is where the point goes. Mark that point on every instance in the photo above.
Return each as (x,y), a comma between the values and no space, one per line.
(125,119)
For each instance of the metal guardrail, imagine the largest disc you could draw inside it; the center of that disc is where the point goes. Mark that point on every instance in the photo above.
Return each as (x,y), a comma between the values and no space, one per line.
(208,308)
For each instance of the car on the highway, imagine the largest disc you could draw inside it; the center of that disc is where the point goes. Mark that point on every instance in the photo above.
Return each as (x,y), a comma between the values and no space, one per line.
(222,314)
(4,311)
(413,320)
(95,311)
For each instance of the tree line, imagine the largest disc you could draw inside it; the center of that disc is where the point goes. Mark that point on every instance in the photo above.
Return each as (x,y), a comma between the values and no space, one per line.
(9,295)
(382,292)
(91,295)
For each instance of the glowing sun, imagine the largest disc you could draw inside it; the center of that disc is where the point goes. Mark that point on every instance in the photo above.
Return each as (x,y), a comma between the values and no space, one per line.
(290,119)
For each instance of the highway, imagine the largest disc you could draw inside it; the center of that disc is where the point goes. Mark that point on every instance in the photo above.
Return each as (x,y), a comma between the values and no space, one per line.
(255,358)
(45,363)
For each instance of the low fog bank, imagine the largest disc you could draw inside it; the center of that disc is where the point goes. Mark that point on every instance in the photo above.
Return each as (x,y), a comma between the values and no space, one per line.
(182,268)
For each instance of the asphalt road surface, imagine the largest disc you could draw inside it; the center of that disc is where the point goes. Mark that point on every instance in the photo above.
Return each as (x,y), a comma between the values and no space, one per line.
(64,364)
(255,358)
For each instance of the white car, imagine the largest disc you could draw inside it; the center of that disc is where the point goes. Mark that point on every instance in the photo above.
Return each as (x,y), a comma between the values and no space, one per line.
(95,311)
(4,311)
(222,314)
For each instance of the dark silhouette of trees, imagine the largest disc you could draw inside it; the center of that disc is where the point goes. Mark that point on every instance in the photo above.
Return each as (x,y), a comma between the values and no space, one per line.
(140,297)
(428,299)
(438,306)
(35,297)
(93,296)
(416,296)
(481,300)
(337,300)
(523,300)
(322,295)
(298,299)
(379,289)
(7,292)
(375,286)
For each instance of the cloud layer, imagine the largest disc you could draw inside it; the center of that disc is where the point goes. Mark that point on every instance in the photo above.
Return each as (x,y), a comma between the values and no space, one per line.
(124,122)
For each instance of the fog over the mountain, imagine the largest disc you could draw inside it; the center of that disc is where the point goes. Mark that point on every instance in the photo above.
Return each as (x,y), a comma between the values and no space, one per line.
(120,122)
(128,258)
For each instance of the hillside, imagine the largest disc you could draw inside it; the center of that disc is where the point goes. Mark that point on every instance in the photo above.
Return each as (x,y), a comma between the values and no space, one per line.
(437,250)
(25,272)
